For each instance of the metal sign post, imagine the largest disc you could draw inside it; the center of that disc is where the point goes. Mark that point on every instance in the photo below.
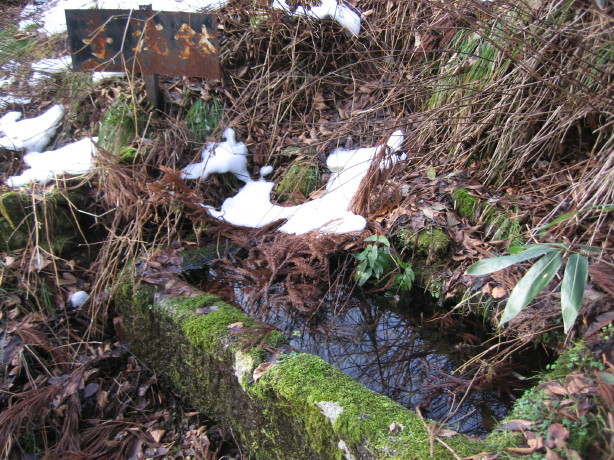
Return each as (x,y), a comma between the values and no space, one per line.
(144,41)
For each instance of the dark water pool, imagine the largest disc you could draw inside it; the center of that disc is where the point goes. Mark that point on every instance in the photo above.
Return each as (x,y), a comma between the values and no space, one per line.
(390,352)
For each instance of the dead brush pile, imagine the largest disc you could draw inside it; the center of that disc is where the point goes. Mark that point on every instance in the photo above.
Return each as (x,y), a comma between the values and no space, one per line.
(517,94)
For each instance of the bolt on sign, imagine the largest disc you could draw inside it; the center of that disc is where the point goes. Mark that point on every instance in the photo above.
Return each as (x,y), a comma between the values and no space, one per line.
(146,42)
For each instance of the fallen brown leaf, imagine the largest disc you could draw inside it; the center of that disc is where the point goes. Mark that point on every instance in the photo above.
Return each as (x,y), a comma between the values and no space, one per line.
(499,292)
(559,434)
(552,455)
(157,435)
(516,425)
(260,370)
(444,433)
(521,450)
(554,388)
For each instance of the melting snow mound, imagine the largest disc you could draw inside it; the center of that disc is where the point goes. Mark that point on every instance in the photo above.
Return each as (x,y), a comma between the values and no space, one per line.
(31,134)
(75,158)
(252,206)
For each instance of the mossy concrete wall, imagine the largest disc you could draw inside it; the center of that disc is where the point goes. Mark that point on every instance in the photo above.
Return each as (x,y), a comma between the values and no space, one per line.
(301,408)
(46,218)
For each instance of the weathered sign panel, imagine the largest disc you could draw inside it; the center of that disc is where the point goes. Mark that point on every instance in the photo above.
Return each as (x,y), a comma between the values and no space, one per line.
(144,41)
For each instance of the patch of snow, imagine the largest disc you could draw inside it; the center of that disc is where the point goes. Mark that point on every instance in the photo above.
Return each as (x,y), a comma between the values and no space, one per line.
(47,67)
(75,158)
(97,77)
(78,299)
(266,170)
(330,409)
(338,11)
(252,207)
(31,134)
(51,18)
(229,156)
(10,99)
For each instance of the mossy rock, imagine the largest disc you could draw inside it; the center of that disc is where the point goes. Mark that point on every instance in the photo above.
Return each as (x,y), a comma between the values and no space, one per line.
(500,226)
(465,204)
(51,215)
(429,241)
(14,207)
(433,242)
(301,407)
(10,238)
(301,179)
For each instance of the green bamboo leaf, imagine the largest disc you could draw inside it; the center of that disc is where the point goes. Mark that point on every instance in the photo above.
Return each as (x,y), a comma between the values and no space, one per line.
(572,289)
(603,207)
(534,280)
(486,266)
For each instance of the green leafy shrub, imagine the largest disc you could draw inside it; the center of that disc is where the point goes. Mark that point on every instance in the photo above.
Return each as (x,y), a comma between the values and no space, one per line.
(379,265)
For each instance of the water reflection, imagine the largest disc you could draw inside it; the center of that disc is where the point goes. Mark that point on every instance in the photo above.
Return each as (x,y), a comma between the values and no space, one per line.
(390,354)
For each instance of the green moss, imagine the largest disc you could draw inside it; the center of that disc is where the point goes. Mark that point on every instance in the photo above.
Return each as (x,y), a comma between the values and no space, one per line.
(500,226)
(465,204)
(211,331)
(12,238)
(433,242)
(354,412)
(13,207)
(202,118)
(128,155)
(301,179)
(542,408)
(289,413)
(51,215)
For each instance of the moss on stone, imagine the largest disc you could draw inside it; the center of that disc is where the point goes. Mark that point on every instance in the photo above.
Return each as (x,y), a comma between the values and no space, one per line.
(51,216)
(302,407)
(433,242)
(501,226)
(302,179)
(314,389)
(465,204)
(211,331)
(541,407)
(14,208)
(11,238)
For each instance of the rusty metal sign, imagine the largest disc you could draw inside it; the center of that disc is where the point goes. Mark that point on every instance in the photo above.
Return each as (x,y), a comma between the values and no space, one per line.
(144,41)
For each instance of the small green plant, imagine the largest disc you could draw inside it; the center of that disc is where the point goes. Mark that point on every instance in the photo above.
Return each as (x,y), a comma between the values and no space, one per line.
(378,265)
(202,118)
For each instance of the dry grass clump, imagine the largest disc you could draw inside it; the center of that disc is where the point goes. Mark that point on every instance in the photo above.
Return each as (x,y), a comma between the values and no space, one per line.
(520,92)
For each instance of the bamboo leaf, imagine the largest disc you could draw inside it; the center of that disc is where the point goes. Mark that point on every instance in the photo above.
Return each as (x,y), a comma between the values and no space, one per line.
(486,266)
(603,207)
(572,289)
(534,280)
